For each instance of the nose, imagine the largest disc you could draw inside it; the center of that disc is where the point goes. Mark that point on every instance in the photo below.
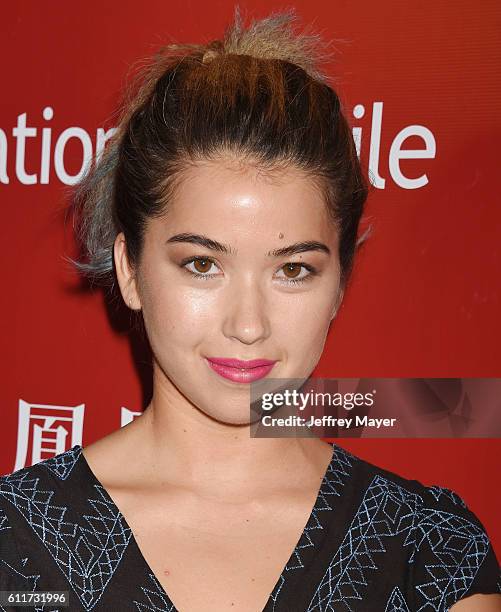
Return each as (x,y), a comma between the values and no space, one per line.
(246,312)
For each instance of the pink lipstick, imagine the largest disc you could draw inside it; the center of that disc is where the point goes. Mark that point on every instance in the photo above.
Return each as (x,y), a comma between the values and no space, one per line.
(240,371)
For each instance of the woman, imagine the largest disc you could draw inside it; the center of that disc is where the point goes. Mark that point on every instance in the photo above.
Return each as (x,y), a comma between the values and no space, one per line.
(226,210)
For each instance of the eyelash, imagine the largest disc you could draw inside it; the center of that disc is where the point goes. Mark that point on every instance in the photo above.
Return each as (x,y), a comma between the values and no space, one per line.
(290,281)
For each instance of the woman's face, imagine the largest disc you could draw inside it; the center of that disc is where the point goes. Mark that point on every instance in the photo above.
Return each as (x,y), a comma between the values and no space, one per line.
(214,281)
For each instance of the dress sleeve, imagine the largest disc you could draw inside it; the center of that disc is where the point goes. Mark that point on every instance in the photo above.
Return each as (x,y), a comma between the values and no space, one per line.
(453,555)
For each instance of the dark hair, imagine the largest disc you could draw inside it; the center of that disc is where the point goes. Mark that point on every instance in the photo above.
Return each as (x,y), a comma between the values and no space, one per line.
(258,94)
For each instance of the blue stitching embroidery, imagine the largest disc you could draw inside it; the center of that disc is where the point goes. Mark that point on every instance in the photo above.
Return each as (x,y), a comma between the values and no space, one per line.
(87,555)
(332,484)
(154,595)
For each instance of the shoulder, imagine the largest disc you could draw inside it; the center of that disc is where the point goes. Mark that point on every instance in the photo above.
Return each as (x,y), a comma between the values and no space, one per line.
(427,499)
(60,466)
(29,489)
(450,555)
(25,506)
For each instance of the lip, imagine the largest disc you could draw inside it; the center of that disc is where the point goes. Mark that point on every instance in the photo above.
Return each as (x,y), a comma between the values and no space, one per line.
(240,371)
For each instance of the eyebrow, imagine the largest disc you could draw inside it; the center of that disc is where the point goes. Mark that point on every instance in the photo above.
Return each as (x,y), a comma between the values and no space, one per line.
(214,245)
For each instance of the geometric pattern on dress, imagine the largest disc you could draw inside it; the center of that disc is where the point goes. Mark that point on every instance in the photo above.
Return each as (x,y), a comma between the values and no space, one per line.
(396,602)
(456,547)
(386,510)
(88,554)
(61,465)
(452,496)
(157,601)
(333,482)
(459,548)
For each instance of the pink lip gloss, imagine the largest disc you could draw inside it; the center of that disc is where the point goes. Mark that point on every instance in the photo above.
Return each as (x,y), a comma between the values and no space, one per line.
(240,371)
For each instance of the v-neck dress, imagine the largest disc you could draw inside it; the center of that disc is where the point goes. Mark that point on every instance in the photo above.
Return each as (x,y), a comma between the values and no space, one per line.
(374,542)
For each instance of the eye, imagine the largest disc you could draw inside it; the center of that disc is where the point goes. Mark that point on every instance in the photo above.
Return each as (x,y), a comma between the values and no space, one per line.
(292,272)
(202,265)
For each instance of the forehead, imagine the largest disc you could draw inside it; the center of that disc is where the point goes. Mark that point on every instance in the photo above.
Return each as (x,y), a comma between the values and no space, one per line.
(230,194)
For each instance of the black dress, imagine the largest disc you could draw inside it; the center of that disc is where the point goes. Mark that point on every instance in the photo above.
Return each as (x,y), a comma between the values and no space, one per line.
(374,541)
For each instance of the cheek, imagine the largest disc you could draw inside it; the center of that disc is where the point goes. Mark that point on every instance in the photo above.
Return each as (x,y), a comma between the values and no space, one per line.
(177,316)
(303,323)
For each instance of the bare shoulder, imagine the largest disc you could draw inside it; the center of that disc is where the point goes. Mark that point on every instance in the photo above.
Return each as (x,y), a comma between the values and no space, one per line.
(478,603)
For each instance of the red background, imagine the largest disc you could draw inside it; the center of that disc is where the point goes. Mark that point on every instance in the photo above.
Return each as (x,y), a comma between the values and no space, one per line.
(425,295)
